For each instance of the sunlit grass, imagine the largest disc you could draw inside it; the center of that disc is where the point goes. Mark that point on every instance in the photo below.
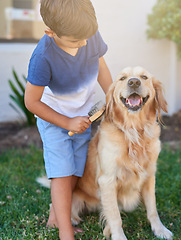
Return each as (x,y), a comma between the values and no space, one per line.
(24,204)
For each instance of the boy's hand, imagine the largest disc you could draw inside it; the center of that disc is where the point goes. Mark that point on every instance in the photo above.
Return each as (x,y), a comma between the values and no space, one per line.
(79,124)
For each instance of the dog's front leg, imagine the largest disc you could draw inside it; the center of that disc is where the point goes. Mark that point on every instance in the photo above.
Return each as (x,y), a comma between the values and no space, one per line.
(148,194)
(110,207)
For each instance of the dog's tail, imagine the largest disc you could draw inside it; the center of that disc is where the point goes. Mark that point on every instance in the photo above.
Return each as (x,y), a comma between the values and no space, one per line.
(43,181)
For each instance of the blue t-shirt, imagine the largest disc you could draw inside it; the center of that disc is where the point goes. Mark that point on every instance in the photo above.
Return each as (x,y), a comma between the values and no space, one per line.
(69,80)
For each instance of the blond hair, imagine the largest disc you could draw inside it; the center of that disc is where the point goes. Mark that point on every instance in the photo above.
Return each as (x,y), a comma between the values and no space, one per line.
(74,18)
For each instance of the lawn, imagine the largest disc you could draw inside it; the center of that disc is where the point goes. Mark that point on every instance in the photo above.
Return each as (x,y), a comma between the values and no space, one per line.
(24,205)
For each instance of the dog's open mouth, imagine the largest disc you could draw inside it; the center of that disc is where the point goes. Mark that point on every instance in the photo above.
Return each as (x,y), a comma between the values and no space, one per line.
(134,102)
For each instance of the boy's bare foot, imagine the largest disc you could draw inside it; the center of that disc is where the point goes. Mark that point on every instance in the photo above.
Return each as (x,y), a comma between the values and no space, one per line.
(52,222)
(54,225)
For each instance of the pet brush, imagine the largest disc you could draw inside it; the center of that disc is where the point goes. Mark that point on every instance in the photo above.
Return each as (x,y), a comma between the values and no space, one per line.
(94,114)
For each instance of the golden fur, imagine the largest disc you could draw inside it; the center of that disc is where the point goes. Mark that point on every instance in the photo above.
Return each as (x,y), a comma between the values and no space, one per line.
(122,156)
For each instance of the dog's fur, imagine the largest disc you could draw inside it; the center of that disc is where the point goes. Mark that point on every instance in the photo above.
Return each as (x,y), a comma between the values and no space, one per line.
(122,156)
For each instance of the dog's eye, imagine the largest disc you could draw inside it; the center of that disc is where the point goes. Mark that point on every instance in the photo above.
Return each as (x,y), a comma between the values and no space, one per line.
(144,77)
(123,78)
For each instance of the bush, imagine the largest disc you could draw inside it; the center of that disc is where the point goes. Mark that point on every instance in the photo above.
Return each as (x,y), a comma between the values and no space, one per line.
(18,98)
(165,22)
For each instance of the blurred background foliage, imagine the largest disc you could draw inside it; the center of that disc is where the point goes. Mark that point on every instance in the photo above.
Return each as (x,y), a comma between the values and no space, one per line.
(165,22)
(17,97)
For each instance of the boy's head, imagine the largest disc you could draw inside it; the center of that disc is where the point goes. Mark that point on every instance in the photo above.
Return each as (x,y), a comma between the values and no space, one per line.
(75,18)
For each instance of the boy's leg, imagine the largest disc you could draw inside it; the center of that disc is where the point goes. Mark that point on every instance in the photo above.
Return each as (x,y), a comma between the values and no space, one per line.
(52,221)
(61,193)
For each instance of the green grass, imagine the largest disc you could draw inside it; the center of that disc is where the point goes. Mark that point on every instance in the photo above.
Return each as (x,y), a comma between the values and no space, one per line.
(24,205)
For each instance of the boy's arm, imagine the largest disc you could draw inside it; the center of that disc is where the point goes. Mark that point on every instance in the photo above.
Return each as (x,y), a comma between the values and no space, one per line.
(104,77)
(33,103)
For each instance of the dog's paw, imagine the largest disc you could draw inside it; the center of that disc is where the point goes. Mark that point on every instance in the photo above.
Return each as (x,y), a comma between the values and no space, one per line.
(107,232)
(162,232)
(44,182)
(75,220)
(120,236)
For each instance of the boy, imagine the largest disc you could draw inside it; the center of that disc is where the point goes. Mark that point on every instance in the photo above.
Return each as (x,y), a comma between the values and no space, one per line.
(62,75)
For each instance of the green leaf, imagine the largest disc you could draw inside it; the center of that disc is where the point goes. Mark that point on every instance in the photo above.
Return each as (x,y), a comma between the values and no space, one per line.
(18,98)
(14,89)
(24,78)
(18,82)
(18,102)
(16,109)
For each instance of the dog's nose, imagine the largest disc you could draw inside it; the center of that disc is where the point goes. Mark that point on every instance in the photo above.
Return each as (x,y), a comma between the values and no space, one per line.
(134,82)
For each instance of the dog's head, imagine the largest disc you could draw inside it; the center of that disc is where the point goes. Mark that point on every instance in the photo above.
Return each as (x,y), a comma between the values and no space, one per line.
(134,91)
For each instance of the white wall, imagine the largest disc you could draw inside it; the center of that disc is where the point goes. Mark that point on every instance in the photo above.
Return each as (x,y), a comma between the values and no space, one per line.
(12,56)
(123,25)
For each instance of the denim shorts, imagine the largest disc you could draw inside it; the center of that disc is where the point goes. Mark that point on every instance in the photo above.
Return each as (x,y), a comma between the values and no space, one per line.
(63,155)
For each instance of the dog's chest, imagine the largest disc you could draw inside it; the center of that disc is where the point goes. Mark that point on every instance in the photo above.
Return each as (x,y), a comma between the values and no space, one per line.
(132,165)
(131,178)
(129,162)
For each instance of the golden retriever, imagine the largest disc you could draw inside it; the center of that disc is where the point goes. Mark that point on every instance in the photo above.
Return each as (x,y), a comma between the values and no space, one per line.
(122,156)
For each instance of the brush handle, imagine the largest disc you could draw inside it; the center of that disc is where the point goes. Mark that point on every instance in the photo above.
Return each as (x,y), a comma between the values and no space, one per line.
(71,133)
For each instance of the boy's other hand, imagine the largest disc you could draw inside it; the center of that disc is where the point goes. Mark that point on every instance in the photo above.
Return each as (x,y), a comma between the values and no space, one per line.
(79,124)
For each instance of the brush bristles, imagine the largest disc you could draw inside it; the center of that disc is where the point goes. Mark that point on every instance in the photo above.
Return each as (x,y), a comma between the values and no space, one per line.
(93,111)
(95,108)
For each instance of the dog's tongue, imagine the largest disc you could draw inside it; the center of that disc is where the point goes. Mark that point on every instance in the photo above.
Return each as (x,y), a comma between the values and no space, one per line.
(134,100)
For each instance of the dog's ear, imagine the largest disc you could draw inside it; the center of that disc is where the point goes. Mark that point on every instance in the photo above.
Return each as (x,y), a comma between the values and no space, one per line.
(159,98)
